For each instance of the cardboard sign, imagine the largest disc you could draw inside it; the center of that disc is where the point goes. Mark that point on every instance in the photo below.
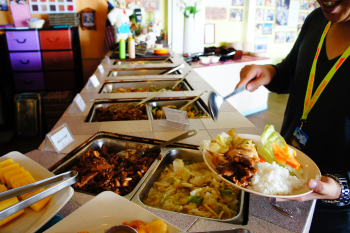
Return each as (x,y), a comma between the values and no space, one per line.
(93,82)
(108,60)
(101,69)
(60,138)
(77,105)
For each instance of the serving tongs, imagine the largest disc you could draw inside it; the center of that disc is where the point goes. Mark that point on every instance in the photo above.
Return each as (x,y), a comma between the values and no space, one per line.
(181,80)
(66,179)
(151,97)
(168,58)
(192,101)
(183,136)
(172,69)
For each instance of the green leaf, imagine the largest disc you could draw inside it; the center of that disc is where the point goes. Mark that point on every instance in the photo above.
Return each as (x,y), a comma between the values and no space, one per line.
(226,192)
(195,199)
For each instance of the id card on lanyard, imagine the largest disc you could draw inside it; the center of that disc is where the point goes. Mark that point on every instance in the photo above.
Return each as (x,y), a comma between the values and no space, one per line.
(299,137)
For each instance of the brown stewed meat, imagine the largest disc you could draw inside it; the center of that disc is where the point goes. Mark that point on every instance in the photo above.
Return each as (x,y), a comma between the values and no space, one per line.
(114,113)
(239,169)
(100,171)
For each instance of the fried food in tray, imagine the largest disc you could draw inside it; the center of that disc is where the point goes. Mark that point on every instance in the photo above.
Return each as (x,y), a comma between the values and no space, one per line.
(117,113)
(101,170)
(192,111)
(153,88)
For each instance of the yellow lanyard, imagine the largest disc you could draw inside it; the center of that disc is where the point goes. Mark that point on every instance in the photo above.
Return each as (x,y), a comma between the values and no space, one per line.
(310,101)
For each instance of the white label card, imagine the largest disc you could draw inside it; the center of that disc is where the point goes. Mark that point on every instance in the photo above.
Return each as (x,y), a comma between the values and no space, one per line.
(93,81)
(108,60)
(101,69)
(79,102)
(61,139)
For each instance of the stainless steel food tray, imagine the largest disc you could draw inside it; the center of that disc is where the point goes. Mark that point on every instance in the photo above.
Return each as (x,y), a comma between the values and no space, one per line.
(180,103)
(115,143)
(111,86)
(109,102)
(143,71)
(141,61)
(185,154)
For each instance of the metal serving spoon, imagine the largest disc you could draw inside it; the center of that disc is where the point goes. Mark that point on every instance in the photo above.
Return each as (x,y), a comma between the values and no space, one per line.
(188,134)
(215,102)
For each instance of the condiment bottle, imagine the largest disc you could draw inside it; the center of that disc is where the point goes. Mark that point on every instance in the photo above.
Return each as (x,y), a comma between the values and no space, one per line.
(122,48)
(131,47)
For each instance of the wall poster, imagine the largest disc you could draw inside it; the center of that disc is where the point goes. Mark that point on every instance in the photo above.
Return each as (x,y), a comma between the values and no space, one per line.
(52,6)
(215,13)
(261,44)
(3,5)
(151,5)
(282,11)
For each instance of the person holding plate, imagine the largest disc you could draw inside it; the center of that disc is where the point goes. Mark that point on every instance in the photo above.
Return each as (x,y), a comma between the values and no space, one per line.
(316,75)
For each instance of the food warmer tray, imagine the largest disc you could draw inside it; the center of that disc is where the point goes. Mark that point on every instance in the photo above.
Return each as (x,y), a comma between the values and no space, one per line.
(194,155)
(180,102)
(115,143)
(160,100)
(119,103)
(110,86)
(144,71)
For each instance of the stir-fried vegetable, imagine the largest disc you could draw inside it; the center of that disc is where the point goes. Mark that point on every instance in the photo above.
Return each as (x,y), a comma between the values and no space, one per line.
(195,199)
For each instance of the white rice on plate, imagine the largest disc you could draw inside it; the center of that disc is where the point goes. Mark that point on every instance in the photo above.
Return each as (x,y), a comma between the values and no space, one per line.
(274,179)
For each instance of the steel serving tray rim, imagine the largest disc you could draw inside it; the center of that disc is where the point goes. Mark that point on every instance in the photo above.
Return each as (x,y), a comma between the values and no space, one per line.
(145,187)
(140,84)
(68,160)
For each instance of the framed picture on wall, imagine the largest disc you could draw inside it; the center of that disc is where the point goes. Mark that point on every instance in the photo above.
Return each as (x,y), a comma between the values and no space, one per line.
(260,44)
(209,34)
(259,14)
(270,3)
(236,15)
(260,2)
(267,28)
(290,36)
(237,2)
(258,29)
(269,15)
(279,37)
(87,17)
(3,5)
(302,16)
(299,28)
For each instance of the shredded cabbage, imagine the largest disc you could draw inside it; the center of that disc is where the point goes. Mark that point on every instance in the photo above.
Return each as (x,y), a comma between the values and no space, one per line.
(193,189)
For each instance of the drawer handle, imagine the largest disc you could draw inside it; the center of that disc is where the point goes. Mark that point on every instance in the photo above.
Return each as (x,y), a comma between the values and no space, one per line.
(28,82)
(24,63)
(21,42)
(57,39)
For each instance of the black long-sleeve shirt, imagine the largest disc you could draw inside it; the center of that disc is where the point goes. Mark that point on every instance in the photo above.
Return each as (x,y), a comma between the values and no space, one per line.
(328,123)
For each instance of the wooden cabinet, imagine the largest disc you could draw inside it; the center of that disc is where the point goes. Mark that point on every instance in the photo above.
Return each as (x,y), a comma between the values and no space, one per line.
(45,59)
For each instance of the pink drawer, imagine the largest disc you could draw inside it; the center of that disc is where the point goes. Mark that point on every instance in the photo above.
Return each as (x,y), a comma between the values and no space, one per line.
(22,40)
(29,81)
(58,60)
(55,39)
(26,61)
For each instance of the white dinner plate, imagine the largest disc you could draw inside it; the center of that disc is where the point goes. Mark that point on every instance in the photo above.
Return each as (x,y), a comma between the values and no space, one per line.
(311,170)
(32,221)
(102,212)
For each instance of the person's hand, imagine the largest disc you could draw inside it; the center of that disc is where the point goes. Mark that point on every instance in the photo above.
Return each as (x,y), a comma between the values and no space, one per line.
(262,75)
(326,188)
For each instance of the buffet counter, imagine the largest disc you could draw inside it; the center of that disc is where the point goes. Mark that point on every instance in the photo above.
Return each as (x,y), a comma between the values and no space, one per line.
(261,218)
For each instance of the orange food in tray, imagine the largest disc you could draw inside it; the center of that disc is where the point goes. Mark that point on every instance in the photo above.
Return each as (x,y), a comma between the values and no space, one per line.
(161,51)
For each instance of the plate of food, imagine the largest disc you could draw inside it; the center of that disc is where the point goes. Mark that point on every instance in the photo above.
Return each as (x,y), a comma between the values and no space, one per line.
(17,169)
(109,209)
(264,165)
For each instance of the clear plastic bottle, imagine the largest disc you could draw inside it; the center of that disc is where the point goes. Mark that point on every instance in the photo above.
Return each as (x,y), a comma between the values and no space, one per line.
(122,49)
(131,43)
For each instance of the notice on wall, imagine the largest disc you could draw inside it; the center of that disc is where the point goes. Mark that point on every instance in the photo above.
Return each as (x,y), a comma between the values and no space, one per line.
(52,6)
(215,13)
(293,13)
(151,5)
(218,2)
